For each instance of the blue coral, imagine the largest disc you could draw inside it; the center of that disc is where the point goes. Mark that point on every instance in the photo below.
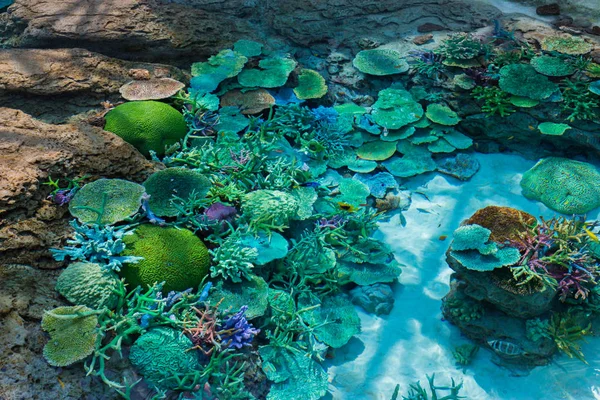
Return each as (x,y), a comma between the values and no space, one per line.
(238,331)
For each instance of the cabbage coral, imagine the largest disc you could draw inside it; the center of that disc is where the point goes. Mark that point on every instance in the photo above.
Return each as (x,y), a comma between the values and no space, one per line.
(174,256)
(147,125)
(89,285)
(564,185)
(380,62)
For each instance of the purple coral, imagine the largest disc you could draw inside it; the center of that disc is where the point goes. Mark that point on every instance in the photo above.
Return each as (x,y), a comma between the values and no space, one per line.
(220,212)
(62,196)
(236,331)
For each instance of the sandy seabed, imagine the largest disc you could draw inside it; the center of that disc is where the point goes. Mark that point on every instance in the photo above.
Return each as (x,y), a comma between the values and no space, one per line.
(413,340)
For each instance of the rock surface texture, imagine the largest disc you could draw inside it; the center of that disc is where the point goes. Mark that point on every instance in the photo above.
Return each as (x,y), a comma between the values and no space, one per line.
(30,152)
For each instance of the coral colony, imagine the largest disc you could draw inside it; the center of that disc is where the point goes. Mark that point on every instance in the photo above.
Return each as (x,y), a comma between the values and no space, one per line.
(226,274)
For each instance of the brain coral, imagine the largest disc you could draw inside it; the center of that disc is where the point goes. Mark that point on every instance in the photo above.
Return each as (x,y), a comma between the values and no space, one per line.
(175,256)
(162,352)
(90,285)
(566,186)
(147,125)
(180,182)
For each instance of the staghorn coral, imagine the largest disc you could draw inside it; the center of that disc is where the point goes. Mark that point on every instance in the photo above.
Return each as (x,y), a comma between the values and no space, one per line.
(495,101)
(578,101)
(174,256)
(147,125)
(236,331)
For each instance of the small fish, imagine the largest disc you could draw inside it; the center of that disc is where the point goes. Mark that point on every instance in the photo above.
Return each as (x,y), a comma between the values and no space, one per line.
(218,184)
(310,184)
(592,235)
(278,151)
(61,383)
(347,207)
(423,194)
(511,137)
(505,348)
(443,237)
(531,127)
(402,219)
(422,210)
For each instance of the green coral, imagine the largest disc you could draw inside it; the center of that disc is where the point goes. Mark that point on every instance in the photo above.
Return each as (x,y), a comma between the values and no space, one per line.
(147,125)
(274,73)
(441,114)
(208,75)
(252,293)
(72,333)
(163,186)
(579,102)
(294,375)
(89,285)
(550,128)
(248,48)
(311,85)
(269,209)
(396,108)
(161,353)
(523,80)
(459,48)
(564,185)
(232,261)
(377,150)
(335,320)
(269,246)
(570,45)
(552,66)
(495,101)
(175,256)
(380,62)
(106,201)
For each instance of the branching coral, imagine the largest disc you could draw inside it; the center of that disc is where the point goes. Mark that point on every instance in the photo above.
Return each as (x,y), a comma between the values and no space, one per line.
(232,260)
(578,101)
(495,101)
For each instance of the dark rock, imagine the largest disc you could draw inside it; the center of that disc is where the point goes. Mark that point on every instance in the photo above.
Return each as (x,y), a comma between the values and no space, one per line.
(594,30)
(377,299)
(499,288)
(494,326)
(430,27)
(548,9)
(422,39)
(563,20)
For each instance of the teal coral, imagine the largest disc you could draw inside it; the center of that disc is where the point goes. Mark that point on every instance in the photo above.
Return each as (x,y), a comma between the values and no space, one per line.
(232,260)
(174,256)
(162,353)
(380,62)
(564,185)
(163,186)
(523,80)
(441,114)
(89,285)
(552,66)
(273,72)
(147,125)
(396,108)
(208,75)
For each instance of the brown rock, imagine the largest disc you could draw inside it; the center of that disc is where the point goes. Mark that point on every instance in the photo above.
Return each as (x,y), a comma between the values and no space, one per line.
(30,152)
(429,27)
(141,29)
(594,30)
(548,9)
(140,74)
(422,39)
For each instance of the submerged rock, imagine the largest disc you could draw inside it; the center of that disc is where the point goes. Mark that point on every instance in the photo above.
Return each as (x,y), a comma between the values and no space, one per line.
(377,299)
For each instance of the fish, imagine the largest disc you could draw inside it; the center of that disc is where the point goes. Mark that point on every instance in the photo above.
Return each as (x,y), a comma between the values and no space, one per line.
(61,383)
(511,137)
(592,235)
(505,348)
(310,184)
(443,237)
(347,207)
(422,210)
(531,127)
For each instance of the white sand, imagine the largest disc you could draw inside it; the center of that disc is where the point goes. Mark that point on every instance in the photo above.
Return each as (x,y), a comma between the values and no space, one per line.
(414,341)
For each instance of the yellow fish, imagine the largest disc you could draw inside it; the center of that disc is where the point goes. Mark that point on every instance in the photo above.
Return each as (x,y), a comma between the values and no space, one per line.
(347,207)
(61,383)
(592,235)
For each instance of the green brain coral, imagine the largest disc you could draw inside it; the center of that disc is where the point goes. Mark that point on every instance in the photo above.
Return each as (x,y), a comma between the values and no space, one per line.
(106,201)
(564,185)
(175,256)
(180,182)
(89,285)
(274,72)
(147,125)
(161,353)
(380,62)
(311,85)
(72,333)
(523,80)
